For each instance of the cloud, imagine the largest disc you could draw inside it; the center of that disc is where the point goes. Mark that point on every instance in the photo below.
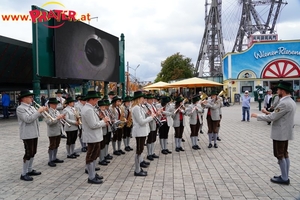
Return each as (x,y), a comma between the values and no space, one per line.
(153,29)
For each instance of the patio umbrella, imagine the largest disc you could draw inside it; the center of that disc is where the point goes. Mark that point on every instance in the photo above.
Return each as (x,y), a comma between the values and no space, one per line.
(156,86)
(193,82)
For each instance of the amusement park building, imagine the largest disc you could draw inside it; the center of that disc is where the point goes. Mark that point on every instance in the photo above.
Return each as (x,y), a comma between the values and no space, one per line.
(264,64)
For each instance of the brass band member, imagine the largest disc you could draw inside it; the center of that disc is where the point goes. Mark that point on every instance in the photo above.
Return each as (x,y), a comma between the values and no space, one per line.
(102,114)
(107,137)
(60,107)
(92,135)
(167,111)
(78,105)
(29,132)
(140,130)
(178,122)
(117,136)
(195,110)
(128,126)
(71,131)
(213,117)
(151,139)
(53,132)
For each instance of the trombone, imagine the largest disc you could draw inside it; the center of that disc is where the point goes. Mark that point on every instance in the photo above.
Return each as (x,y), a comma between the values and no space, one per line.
(44,113)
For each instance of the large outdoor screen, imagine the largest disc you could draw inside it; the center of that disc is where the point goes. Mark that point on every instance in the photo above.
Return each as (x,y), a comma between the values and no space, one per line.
(84,52)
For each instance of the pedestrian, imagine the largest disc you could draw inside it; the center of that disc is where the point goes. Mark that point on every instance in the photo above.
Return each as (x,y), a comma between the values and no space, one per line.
(282,129)
(29,132)
(5,105)
(92,135)
(53,132)
(246,106)
(140,130)
(268,101)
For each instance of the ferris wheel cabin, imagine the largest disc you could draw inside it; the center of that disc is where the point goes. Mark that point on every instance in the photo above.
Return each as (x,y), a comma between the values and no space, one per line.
(262,38)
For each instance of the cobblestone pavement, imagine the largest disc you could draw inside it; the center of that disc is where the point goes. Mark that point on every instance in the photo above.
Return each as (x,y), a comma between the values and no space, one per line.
(240,168)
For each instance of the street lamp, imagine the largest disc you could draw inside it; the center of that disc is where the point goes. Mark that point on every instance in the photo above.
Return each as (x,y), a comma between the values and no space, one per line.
(93,18)
(135,71)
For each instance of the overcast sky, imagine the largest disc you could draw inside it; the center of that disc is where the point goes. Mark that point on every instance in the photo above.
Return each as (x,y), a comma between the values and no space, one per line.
(153,29)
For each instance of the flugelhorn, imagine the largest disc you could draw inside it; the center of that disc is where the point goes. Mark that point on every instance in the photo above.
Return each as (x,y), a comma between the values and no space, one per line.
(44,113)
(77,115)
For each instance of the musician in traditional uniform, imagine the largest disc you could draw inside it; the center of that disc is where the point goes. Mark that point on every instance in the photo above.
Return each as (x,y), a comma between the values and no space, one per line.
(195,110)
(151,139)
(78,105)
(128,126)
(29,132)
(118,114)
(167,111)
(107,137)
(140,130)
(111,95)
(92,135)
(53,131)
(102,114)
(213,117)
(60,107)
(70,117)
(179,122)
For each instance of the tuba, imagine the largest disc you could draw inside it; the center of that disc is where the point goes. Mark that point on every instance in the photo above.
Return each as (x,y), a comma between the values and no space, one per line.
(203,96)
(223,92)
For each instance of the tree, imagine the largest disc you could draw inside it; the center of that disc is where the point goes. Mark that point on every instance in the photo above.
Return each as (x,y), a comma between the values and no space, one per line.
(175,67)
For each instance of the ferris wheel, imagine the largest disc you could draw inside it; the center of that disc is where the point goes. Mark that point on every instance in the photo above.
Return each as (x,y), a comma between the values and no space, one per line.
(243,18)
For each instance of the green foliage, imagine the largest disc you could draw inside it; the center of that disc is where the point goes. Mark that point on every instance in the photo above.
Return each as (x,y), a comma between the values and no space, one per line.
(175,67)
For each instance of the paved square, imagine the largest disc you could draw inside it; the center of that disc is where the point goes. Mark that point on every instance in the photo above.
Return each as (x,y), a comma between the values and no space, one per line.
(240,168)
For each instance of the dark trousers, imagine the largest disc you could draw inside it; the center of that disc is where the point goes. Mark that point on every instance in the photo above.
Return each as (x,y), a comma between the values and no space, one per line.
(54,142)
(5,112)
(280,149)
(195,128)
(93,152)
(140,141)
(118,135)
(179,130)
(107,138)
(71,137)
(212,125)
(126,131)
(30,146)
(163,131)
(102,144)
(151,137)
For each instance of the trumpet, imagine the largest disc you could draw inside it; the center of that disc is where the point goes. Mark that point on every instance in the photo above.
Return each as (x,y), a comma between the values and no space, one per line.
(44,113)
(64,122)
(183,102)
(158,122)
